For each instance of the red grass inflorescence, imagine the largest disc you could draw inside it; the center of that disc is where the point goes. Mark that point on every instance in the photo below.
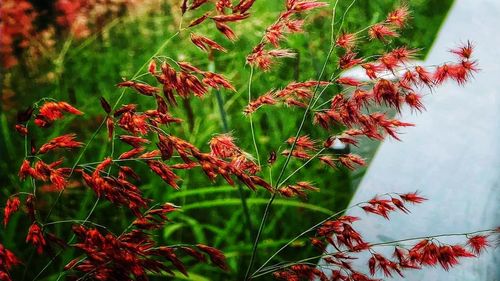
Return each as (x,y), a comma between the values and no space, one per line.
(344,117)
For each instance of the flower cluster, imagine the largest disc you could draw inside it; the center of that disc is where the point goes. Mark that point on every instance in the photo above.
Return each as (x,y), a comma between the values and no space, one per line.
(294,94)
(133,253)
(351,109)
(287,22)
(51,111)
(7,261)
(346,243)
(223,13)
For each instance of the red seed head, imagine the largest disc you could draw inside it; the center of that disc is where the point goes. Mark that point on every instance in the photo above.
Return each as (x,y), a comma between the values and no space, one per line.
(478,243)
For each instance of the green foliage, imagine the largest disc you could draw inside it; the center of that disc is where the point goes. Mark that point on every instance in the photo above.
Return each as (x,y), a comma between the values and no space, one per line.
(212,212)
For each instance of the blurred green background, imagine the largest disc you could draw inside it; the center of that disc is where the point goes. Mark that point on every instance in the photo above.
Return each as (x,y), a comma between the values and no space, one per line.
(82,70)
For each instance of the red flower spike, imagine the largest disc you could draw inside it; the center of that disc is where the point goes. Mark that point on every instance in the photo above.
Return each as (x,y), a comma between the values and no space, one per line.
(205,43)
(25,170)
(465,51)
(297,153)
(21,129)
(301,6)
(350,159)
(346,41)
(230,18)
(267,98)
(447,257)
(134,141)
(371,69)
(152,67)
(349,60)
(216,256)
(243,6)
(381,31)
(35,237)
(372,263)
(141,88)
(403,54)
(226,30)
(274,34)
(11,207)
(105,105)
(389,62)
(478,243)
(387,92)
(294,26)
(349,81)
(7,261)
(442,73)
(64,141)
(424,76)
(199,20)
(303,141)
(414,101)
(413,197)
(223,146)
(400,205)
(272,158)
(282,53)
(110,125)
(197,3)
(460,251)
(399,17)
(131,153)
(193,253)
(51,111)
(327,160)
(164,172)
(294,102)
(215,80)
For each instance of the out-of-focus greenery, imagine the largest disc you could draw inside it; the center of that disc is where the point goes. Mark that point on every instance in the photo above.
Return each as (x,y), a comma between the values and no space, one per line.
(82,71)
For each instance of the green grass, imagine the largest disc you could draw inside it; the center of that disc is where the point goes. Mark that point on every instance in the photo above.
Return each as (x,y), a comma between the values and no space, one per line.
(212,213)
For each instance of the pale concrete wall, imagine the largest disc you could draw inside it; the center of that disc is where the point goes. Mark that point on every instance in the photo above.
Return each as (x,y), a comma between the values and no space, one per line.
(452,155)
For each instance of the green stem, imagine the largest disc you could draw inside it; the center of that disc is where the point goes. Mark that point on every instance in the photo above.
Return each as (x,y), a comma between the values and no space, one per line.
(254,138)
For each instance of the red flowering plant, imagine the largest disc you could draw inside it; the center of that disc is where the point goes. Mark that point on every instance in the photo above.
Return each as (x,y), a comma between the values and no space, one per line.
(95,251)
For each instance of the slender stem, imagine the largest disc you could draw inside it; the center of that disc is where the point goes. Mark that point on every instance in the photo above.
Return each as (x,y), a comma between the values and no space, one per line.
(302,166)
(332,43)
(222,111)
(76,221)
(251,117)
(259,233)
(124,160)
